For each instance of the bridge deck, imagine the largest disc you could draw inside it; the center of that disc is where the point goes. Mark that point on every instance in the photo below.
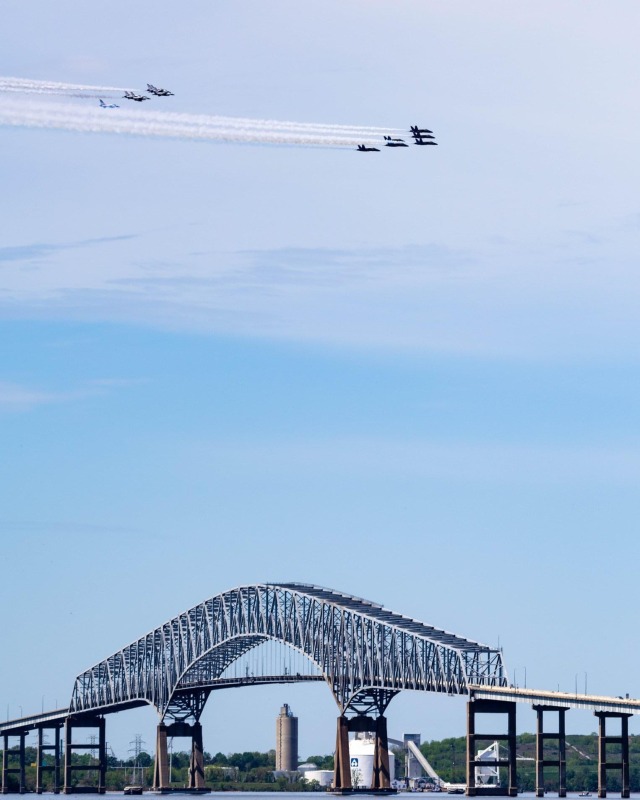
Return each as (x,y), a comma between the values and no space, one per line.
(592,702)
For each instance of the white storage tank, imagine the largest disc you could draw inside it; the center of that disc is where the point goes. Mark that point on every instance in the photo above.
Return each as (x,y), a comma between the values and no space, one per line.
(361,759)
(323,776)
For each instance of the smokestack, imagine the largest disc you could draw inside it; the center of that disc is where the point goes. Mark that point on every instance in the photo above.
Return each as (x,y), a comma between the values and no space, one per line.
(286,740)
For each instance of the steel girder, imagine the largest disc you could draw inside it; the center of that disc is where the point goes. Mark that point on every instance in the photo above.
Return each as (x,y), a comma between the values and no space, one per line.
(362,650)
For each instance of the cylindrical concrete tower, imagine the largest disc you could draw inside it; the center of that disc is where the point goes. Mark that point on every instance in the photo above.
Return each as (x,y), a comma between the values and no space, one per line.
(286,740)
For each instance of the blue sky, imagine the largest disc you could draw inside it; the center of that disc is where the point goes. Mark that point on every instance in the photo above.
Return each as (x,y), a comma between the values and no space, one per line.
(412,375)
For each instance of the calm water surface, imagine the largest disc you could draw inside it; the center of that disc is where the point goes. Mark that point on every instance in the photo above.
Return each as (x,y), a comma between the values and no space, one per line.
(325,795)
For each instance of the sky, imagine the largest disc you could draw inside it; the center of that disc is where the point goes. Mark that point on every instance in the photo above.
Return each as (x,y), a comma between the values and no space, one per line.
(409,375)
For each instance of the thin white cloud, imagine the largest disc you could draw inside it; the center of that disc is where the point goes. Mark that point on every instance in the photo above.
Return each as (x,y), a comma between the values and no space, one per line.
(16,397)
(517,463)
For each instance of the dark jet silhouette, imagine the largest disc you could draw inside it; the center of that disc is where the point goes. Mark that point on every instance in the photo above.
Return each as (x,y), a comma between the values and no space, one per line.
(362,148)
(158,92)
(137,97)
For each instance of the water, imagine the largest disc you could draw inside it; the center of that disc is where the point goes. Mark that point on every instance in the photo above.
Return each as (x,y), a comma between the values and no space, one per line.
(329,796)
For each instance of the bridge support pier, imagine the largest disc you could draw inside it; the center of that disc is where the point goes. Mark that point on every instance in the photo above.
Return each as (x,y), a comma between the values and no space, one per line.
(69,747)
(161,766)
(541,761)
(603,741)
(161,777)
(491,707)
(8,756)
(41,767)
(196,765)
(342,764)
(381,778)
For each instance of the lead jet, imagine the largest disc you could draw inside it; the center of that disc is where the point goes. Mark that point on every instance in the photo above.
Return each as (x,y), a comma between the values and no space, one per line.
(158,92)
(133,96)
(415,130)
(362,148)
(104,105)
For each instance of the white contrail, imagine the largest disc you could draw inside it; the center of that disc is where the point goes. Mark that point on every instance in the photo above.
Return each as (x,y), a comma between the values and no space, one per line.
(165,124)
(29,86)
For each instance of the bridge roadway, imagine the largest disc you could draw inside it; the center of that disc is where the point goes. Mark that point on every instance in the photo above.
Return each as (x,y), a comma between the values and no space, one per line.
(543,697)
(589,702)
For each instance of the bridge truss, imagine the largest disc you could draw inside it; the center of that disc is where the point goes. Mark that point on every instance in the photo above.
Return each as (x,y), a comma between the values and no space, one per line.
(365,653)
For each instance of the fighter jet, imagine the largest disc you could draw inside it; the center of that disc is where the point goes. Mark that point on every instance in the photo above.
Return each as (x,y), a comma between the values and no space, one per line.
(420,140)
(104,105)
(395,142)
(362,148)
(133,96)
(415,130)
(391,142)
(158,92)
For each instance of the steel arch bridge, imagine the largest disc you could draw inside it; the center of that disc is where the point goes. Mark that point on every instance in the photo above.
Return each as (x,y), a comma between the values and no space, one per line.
(365,653)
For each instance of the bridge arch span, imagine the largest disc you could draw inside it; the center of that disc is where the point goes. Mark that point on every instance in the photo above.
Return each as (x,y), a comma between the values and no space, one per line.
(364,652)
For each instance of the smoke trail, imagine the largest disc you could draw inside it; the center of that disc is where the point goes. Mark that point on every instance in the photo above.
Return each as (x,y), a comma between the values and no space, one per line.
(27,85)
(166,124)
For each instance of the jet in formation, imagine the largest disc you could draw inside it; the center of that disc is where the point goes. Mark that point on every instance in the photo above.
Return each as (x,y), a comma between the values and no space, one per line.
(391,142)
(158,92)
(110,105)
(133,96)
(421,136)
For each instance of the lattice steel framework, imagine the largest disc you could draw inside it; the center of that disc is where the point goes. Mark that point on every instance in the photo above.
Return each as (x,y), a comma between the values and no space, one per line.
(364,652)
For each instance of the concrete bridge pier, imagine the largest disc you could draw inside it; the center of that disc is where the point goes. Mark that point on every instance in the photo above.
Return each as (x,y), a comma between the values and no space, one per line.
(71,724)
(161,766)
(8,757)
(161,777)
(41,767)
(381,778)
(341,765)
(541,761)
(603,741)
(491,707)
(196,764)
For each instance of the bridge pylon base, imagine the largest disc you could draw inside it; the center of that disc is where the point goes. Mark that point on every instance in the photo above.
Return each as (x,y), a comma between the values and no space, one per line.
(71,724)
(381,777)
(541,761)
(161,777)
(491,707)
(603,741)
(41,767)
(19,770)
(342,766)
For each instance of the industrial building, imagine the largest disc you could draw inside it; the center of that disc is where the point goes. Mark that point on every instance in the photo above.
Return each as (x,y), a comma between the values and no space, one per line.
(361,755)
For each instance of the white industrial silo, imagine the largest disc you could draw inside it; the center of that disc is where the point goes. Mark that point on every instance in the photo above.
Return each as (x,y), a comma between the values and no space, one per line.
(361,750)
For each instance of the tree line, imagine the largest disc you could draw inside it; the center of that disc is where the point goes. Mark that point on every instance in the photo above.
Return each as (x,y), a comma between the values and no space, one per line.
(253,770)
(248,771)
(448,758)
